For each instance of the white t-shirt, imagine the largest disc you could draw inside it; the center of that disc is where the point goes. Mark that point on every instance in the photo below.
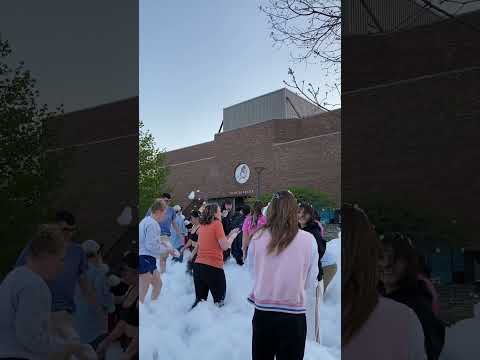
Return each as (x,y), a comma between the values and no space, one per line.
(25,308)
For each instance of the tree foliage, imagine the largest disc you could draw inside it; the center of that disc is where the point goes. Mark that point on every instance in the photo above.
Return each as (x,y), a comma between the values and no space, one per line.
(153,172)
(318,199)
(29,174)
(427,227)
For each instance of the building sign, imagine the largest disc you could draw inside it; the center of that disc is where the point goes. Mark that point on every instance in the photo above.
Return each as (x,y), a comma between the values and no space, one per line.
(241,192)
(242,173)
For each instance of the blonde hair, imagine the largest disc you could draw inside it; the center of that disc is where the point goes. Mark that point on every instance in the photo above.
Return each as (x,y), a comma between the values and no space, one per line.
(47,240)
(158,205)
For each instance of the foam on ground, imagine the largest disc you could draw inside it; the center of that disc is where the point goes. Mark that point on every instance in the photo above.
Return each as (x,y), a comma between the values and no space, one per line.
(169,331)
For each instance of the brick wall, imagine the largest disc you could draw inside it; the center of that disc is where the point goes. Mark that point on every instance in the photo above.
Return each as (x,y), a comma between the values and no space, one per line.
(294,152)
(415,141)
(100,150)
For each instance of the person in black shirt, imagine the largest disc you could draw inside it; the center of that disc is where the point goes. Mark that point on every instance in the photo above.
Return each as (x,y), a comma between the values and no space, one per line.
(227,220)
(306,221)
(400,268)
(192,236)
(237,222)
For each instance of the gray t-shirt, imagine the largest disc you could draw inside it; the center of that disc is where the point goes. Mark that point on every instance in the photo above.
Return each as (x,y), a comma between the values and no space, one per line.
(25,304)
(63,287)
(166,223)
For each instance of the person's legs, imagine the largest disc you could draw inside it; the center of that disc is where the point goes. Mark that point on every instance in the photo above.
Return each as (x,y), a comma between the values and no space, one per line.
(292,336)
(263,341)
(237,250)
(163,264)
(156,284)
(217,284)
(201,285)
(144,283)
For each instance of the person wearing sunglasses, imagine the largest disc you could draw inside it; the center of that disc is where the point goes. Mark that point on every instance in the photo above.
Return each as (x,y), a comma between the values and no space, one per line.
(63,286)
(283,260)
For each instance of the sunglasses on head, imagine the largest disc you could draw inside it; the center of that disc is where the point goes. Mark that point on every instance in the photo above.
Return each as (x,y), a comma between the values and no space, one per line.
(280,194)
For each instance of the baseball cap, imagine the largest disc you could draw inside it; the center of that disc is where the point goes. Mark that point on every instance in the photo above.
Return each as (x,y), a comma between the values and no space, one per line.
(90,247)
(177,208)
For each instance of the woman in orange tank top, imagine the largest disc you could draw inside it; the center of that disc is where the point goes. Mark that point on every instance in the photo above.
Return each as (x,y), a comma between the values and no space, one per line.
(208,274)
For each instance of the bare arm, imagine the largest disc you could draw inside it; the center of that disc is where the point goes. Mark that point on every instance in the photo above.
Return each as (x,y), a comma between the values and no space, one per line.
(87,289)
(245,243)
(175,227)
(226,242)
(195,248)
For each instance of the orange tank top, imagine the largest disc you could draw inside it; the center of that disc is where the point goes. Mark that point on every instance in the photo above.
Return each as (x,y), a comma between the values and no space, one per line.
(209,251)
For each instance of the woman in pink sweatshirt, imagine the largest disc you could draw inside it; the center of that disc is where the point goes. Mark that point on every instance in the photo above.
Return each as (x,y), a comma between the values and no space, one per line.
(373,327)
(284,262)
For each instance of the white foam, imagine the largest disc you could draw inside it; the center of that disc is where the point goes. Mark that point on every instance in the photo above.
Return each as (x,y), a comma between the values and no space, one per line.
(169,331)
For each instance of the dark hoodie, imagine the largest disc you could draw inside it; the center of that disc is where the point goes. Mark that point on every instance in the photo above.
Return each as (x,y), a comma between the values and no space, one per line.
(418,298)
(313,228)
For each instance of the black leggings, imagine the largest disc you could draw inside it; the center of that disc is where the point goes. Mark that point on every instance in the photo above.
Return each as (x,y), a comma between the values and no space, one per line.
(209,278)
(279,336)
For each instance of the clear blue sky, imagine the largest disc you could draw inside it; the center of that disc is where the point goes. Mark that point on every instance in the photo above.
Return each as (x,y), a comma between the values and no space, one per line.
(197,57)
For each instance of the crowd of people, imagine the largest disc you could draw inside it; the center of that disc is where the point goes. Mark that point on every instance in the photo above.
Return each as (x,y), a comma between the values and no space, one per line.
(61,301)
(281,244)
(389,306)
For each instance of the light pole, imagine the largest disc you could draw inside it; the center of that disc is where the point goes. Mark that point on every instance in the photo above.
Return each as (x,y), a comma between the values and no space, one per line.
(259,170)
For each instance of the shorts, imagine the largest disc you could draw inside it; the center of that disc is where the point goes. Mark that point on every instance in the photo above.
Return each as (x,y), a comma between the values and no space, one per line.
(147,264)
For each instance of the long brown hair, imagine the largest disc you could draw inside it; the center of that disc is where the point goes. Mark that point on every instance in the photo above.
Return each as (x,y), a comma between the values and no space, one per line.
(282,221)
(208,214)
(404,249)
(360,254)
(257,212)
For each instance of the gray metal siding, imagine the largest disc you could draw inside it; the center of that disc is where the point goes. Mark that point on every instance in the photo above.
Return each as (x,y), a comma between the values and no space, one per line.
(266,107)
(392,15)
(263,108)
(305,108)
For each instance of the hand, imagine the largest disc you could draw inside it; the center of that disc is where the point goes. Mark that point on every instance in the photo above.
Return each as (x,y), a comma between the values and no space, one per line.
(175,253)
(234,232)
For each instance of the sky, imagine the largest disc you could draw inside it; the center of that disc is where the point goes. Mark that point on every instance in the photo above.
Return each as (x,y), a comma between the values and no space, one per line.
(82,53)
(198,57)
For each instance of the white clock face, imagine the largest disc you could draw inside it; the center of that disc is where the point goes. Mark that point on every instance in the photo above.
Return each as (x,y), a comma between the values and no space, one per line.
(242,173)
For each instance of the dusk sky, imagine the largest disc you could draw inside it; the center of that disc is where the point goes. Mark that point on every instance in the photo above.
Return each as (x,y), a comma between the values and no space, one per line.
(196,60)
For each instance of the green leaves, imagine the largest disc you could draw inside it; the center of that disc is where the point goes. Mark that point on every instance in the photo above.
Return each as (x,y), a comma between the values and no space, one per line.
(28,173)
(153,170)
(318,199)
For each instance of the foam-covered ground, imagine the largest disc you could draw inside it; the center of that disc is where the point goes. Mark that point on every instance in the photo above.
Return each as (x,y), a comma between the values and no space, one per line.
(169,331)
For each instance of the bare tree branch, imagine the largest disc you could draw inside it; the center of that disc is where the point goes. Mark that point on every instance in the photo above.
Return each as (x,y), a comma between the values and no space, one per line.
(313,29)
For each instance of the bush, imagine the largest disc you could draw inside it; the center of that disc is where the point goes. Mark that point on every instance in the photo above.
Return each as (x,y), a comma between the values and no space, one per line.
(318,199)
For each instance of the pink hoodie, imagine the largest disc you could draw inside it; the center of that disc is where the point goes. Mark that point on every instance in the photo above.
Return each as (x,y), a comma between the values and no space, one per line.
(280,280)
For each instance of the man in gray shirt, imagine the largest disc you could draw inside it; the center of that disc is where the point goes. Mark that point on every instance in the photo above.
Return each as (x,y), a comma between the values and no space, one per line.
(63,286)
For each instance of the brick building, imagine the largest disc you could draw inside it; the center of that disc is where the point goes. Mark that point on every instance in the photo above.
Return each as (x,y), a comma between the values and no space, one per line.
(411,104)
(294,152)
(98,149)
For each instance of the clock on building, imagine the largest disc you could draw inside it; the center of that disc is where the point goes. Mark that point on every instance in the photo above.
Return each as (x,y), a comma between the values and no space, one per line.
(242,173)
